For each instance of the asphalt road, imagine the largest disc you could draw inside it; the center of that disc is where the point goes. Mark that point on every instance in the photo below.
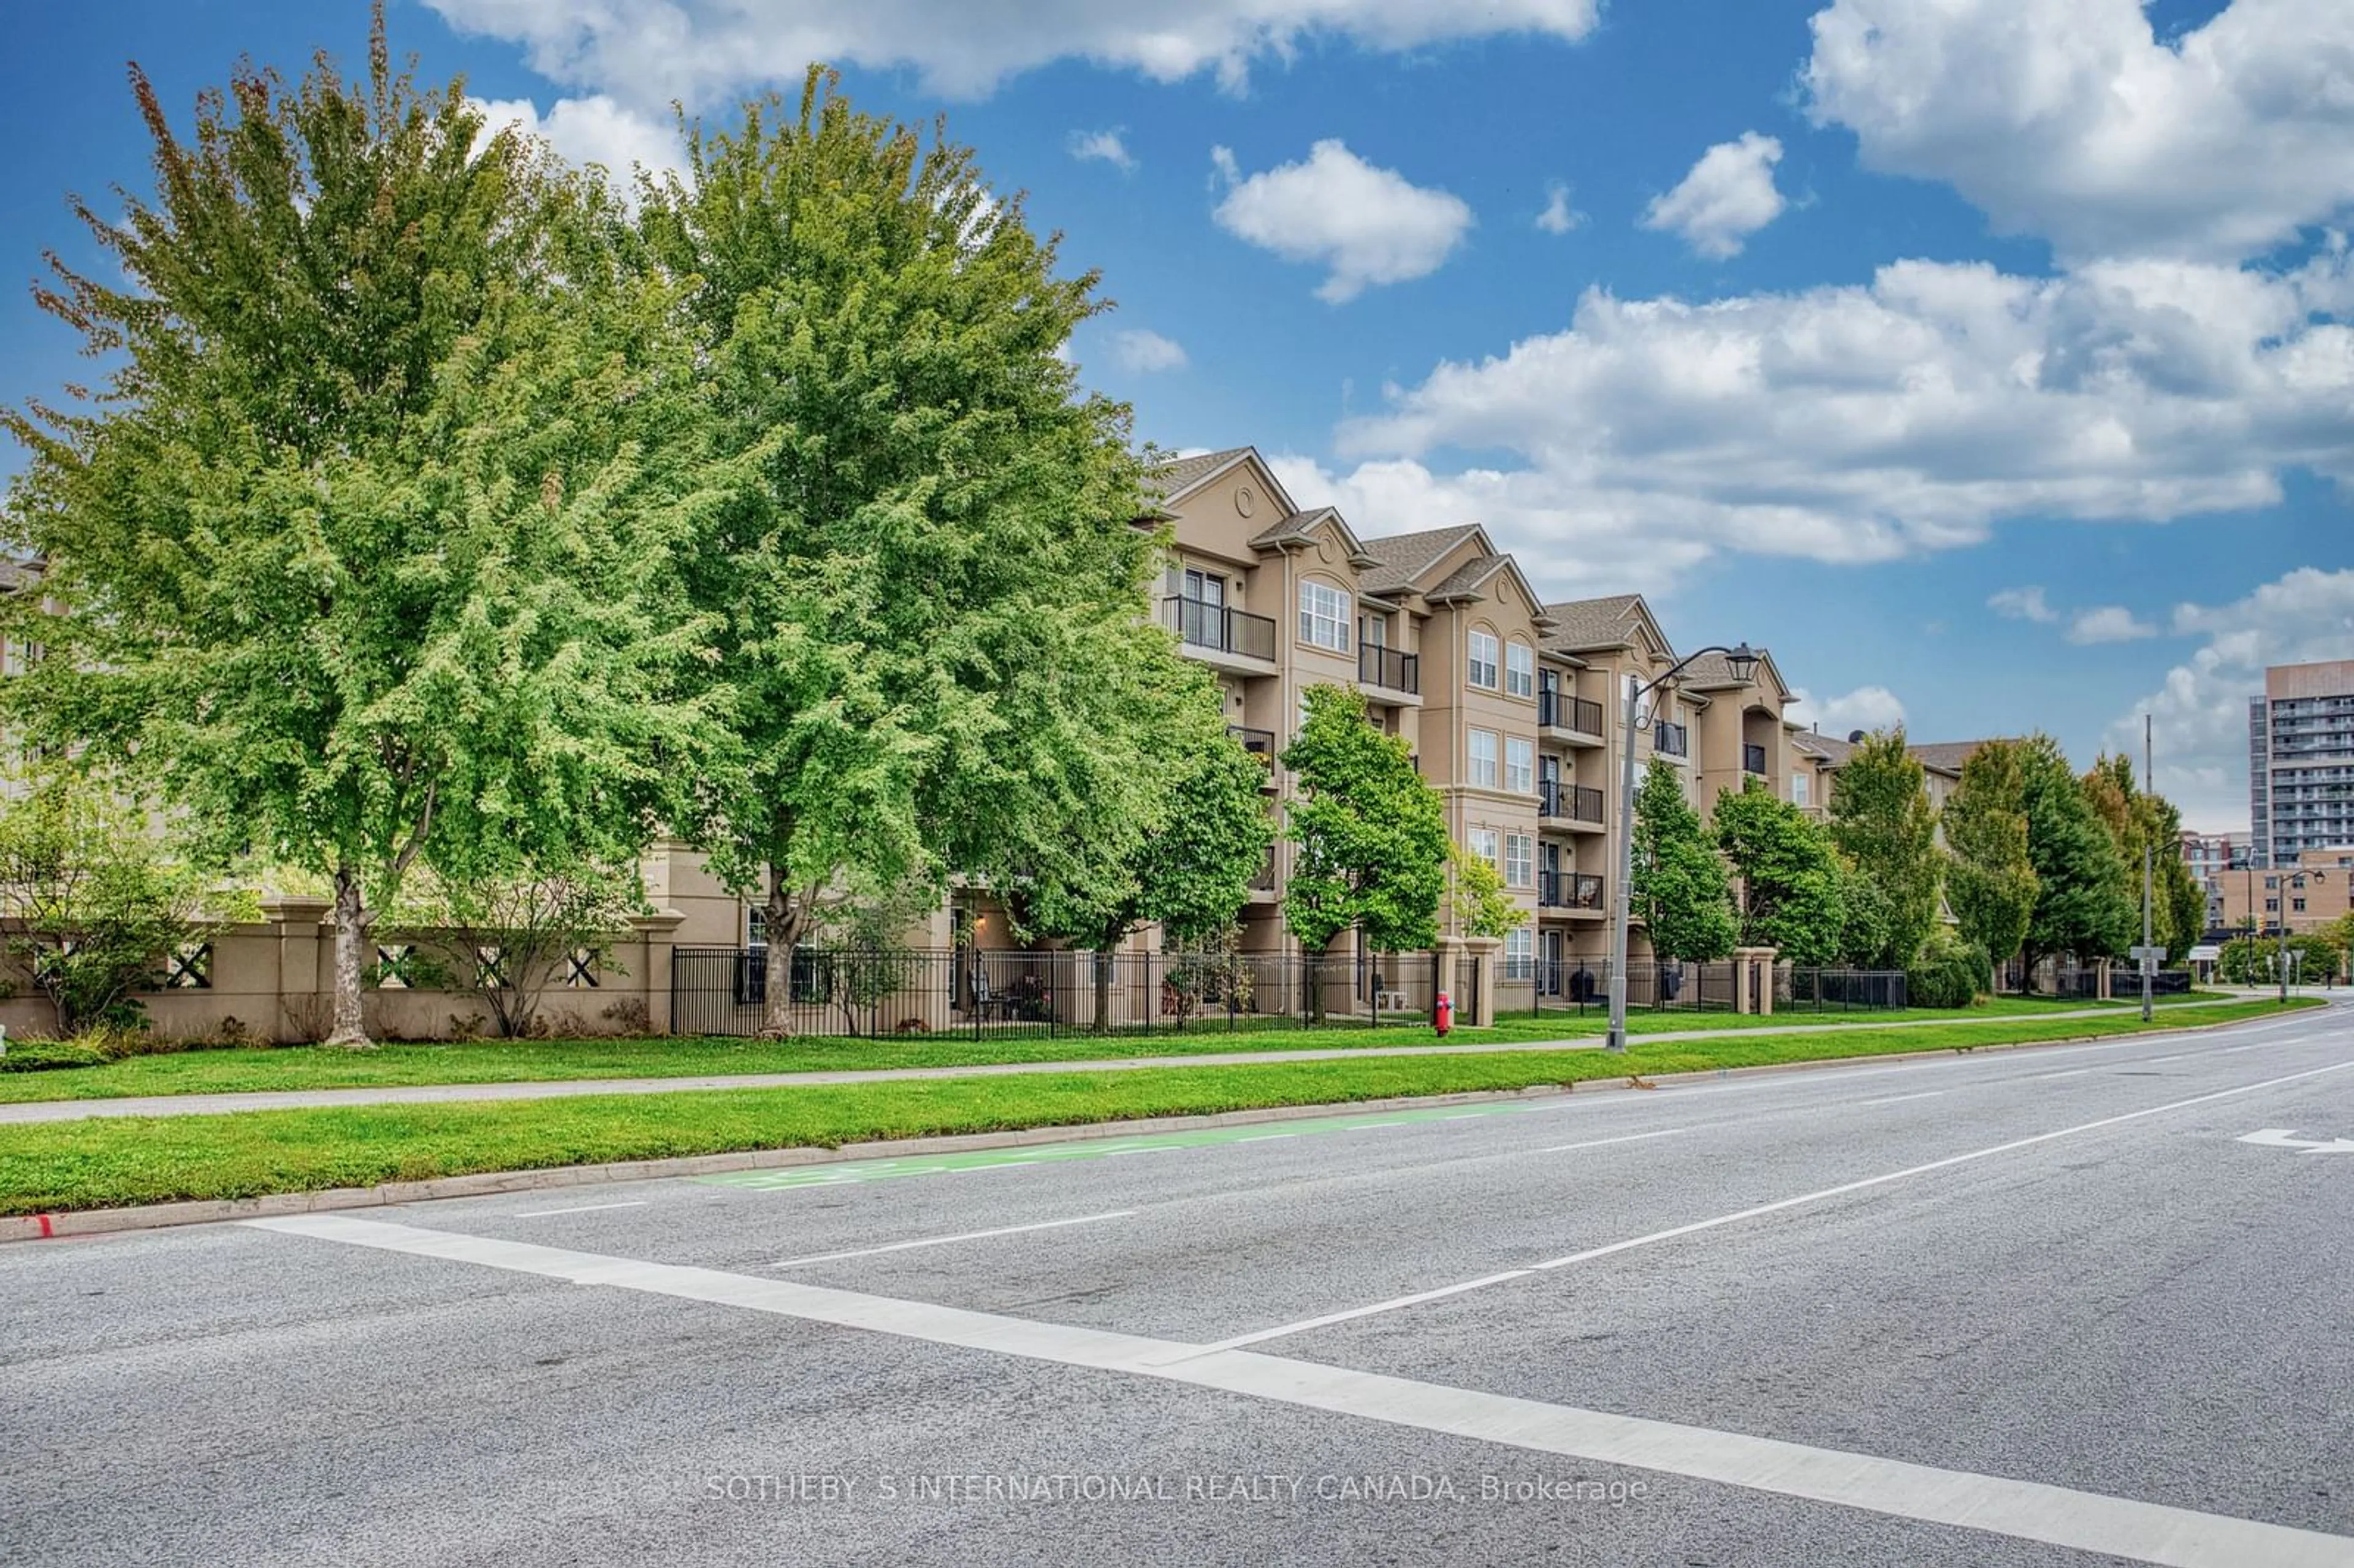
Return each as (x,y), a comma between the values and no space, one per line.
(2042,1307)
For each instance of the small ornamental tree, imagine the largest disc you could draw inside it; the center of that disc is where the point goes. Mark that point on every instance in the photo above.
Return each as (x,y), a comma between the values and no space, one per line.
(928,589)
(1679,887)
(1478,900)
(363,551)
(95,908)
(1371,834)
(1882,821)
(507,932)
(1787,875)
(2082,906)
(1991,880)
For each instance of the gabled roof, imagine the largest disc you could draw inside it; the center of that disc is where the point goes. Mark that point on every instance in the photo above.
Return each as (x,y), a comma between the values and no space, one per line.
(1608,623)
(1945,756)
(1401,559)
(1829,747)
(1299,528)
(1179,475)
(1714,672)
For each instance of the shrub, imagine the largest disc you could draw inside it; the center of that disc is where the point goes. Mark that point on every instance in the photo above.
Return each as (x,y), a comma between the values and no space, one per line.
(44,1056)
(1946,973)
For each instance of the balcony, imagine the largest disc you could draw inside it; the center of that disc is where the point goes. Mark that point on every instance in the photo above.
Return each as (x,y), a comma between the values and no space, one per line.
(1569,802)
(1753,760)
(1578,715)
(1259,743)
(1569,890)
(1263,879)
(1671,739)
(1220,628)
(1389,669)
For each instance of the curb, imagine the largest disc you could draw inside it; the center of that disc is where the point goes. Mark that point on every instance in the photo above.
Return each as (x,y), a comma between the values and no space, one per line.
(206,1211)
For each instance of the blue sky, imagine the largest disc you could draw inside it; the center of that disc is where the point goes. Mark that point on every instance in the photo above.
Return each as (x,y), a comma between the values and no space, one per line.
(1989,361)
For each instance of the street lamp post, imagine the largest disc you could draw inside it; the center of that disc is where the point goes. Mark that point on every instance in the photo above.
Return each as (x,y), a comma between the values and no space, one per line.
(1744,664)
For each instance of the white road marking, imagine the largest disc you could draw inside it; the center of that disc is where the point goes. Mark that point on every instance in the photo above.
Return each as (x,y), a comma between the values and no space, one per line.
(1899,1099)
(1266,1137)
(1375,1309)
(583,1209)
(943,1241)
(2030,1511)
(1597,1143)
(1369,1126)
(2070,1072)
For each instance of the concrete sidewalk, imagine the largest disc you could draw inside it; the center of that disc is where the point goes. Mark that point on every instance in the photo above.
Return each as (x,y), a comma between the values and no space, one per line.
(435,1094)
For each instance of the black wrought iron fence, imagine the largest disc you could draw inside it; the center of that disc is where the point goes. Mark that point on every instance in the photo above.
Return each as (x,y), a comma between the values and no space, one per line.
(1582,985)
(1812,989)
(991,993)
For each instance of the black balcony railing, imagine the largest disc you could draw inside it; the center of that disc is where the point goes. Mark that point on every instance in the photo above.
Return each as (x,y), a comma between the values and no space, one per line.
(1259,743)
(1752,760)
(1388,668)
(1670,740)
(1559,710)
(1568,803)
(1568,890)
(1220,626)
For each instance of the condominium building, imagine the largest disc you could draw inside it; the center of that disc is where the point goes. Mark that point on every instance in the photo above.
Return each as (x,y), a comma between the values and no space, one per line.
(2301,761)
(2210,856)
(2314,893)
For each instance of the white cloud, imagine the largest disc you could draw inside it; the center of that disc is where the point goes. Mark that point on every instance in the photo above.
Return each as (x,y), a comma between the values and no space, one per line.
(1140,352)
(1558,216)
(2202,709)
(1728,196)
(2022,604)
(2108,623)
(1868,422)
(1369,226)
(594,130)
(1105,146)
(1866,707)
(703,50)
(2070,119)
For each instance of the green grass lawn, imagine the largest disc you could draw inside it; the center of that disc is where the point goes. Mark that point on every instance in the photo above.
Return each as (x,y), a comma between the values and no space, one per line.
(537,1060)
(101,1163)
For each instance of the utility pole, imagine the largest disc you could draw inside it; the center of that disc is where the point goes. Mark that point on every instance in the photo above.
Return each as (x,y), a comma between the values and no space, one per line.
(2148,872)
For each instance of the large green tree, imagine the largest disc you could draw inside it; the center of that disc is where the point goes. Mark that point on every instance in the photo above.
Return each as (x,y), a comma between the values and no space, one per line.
(2082,904)
(2141,820)
(1883,822)
(1371,834)
(363,548)
(1788,876)
(1678,886)
(930,592)
(1991,880)
(1175,841)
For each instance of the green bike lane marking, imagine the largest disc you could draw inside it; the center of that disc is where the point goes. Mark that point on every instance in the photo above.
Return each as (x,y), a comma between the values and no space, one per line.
(856,1170)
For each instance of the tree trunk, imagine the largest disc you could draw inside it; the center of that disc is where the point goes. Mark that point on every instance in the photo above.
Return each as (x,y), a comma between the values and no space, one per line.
(786,918)
(353,918)
(1103,991)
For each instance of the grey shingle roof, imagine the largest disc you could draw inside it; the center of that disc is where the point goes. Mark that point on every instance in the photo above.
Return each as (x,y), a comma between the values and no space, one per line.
(1404,557)
(1945,756)
(1296,527)
(1593,623)
(1170,478)
(1711,670)
(1467,578)
(1829,747)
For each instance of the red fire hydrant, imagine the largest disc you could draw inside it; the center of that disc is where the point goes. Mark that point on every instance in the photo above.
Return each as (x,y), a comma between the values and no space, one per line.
(1442,1014)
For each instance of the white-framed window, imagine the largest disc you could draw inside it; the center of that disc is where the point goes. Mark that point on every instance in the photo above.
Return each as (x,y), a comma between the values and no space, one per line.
(1483,842)
(1520,953)
(1483,757)
(1481,652)
(1797,788)
(1520,765)
(1324,617)
(1520,670)
(1520,860)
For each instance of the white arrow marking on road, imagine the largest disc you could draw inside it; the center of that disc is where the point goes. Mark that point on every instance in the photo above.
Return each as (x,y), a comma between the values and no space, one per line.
(2286,1138)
